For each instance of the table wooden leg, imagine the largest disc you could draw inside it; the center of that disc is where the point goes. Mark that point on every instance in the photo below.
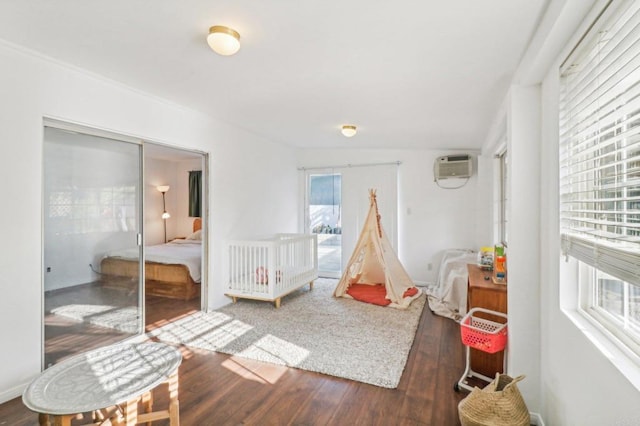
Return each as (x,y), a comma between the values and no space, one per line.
(98,416)
(174,405)
(62,420)
(147,404)
(43,419)
(130,411)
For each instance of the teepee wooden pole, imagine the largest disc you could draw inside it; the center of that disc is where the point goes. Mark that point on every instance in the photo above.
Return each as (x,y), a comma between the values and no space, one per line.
(373,201)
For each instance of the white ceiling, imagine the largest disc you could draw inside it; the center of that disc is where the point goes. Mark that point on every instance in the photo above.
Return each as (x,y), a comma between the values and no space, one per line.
(408,73)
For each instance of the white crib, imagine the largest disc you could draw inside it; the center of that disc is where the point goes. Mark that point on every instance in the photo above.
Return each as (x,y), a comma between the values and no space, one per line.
(271,268)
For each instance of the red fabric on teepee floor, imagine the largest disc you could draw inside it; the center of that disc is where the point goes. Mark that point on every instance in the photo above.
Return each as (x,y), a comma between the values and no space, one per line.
(375,294)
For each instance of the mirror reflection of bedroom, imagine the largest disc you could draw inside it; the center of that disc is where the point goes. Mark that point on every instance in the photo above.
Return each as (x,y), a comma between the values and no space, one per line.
(94,190)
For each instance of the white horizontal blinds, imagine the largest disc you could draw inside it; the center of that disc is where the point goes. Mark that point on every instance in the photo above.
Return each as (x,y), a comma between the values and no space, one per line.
(600,148)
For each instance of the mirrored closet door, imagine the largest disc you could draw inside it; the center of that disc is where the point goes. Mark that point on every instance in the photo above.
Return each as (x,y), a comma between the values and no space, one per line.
(91,212)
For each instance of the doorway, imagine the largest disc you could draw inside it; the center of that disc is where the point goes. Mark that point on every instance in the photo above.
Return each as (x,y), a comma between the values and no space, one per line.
(324,205)
(175,206)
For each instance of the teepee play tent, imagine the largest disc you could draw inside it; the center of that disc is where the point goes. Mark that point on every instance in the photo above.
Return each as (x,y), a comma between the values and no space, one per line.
(374,274)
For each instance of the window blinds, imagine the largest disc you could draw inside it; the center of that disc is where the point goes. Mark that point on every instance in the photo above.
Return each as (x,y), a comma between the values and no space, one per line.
(600,147)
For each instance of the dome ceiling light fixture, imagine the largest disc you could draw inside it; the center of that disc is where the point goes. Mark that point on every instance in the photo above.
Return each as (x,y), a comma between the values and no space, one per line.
(348,130)
(223,40)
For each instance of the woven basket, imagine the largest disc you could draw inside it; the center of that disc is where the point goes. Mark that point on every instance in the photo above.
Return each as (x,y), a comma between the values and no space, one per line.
(498,404)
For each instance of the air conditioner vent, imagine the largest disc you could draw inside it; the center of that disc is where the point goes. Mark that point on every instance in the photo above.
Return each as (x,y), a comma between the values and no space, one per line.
(453,166)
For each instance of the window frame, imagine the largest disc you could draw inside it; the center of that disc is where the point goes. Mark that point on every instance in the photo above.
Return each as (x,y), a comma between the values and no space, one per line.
(503,210)
(589,306)
(588,272)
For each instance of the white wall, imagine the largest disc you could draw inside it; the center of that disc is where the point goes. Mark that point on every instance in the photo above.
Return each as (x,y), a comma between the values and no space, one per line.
(430,219)
(253,183)
(175,174)
(523,297)
(156,173)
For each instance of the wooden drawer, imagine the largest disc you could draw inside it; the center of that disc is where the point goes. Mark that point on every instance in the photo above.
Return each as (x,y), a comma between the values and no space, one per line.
(483,293)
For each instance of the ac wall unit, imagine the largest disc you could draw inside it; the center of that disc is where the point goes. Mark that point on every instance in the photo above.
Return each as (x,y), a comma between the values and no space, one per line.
(453,166)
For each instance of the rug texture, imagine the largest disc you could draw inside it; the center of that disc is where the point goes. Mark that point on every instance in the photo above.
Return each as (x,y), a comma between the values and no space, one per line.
(312,331)
(124,319)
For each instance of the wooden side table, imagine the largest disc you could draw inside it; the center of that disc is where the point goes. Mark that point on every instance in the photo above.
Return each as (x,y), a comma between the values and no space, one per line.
(484,293)
(108,382)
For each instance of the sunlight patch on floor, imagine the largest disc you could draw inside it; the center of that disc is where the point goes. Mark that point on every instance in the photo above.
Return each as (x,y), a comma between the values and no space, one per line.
(165,321)
(254,370)
(212,331)
(123,319)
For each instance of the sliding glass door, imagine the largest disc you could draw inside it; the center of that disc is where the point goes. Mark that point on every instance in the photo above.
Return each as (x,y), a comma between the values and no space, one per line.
(91,209)
(324,206)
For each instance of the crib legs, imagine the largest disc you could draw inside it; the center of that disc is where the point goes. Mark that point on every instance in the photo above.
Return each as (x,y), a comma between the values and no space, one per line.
(276,302)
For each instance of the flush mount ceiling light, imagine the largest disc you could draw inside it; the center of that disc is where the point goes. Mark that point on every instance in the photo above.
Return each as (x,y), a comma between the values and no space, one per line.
(348,130)
(223,40)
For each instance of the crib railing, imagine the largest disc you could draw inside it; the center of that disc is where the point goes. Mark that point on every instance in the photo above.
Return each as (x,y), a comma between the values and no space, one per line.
(269,269)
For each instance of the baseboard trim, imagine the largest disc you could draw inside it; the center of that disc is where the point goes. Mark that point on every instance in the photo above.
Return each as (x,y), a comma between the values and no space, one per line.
(12,393)
(536,419)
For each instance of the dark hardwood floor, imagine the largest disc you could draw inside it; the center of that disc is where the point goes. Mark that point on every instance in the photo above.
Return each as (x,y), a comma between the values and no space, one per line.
(218,389)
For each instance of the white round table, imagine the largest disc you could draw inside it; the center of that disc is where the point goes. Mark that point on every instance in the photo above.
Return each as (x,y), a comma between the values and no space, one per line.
(113,376)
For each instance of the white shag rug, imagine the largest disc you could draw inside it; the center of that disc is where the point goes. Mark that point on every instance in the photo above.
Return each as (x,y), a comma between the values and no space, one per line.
(312,330)
(124,319)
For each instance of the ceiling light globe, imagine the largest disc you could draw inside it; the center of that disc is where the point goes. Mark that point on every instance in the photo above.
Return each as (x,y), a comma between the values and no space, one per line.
(166,215)
(348,130)
(223,40)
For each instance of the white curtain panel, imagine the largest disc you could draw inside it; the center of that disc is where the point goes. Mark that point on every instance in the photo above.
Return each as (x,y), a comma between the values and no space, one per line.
(356,182)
